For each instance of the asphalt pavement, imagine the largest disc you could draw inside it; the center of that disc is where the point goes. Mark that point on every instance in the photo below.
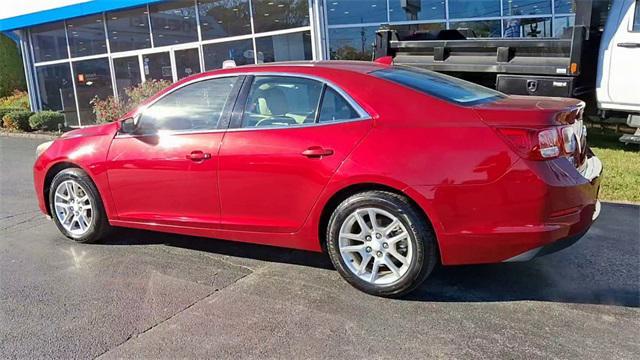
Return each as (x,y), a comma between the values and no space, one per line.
(150,295)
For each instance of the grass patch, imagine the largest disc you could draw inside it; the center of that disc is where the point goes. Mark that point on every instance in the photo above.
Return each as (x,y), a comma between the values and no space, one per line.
(621,176)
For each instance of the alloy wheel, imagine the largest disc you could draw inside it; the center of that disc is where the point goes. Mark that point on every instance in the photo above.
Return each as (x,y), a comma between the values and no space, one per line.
(73,207)
(375,245)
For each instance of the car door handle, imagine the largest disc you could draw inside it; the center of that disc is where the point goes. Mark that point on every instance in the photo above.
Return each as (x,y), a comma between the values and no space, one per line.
(629,45)
(317,152)
(198,155)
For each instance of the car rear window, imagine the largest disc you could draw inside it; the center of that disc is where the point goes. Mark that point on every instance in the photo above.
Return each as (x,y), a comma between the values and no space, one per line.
(439,85)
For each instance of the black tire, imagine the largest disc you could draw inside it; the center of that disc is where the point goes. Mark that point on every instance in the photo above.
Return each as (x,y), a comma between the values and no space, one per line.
(99,224)
(420,234)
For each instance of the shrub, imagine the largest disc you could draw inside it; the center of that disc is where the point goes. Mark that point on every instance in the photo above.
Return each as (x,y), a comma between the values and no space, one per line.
(110,109)
(141,92)
(5,111)
(17,120)
(11,70)
(46,120)
(18,99)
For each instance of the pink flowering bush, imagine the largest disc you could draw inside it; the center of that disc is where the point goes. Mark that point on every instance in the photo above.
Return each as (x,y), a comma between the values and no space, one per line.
(111,109)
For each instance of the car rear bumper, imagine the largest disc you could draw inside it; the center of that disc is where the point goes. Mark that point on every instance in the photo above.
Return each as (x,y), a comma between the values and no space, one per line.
(591,172)
(535,209)
(554,246)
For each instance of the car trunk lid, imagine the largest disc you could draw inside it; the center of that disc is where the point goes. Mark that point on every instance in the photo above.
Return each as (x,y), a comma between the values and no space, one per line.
(541,116)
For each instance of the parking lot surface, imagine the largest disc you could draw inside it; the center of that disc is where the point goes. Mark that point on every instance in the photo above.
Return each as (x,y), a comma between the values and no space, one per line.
(150,295)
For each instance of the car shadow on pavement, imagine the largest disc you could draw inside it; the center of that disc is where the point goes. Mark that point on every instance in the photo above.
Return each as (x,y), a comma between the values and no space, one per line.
(123,236)
(554,278)
(537,280)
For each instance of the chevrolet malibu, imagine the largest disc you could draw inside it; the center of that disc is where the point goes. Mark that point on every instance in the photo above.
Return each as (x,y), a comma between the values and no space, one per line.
(390,170)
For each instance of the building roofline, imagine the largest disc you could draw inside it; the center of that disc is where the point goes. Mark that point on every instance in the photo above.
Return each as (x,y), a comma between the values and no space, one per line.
(68,12)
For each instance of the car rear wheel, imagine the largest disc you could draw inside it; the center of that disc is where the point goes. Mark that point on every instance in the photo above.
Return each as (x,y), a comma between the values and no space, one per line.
(380,243)
(76,206)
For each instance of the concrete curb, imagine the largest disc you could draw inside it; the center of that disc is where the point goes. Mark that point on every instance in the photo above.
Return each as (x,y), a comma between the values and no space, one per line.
(29,135)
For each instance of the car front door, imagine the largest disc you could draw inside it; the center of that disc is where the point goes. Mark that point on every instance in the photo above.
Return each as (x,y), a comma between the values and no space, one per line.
(166,171)
(284,144)
(624,74)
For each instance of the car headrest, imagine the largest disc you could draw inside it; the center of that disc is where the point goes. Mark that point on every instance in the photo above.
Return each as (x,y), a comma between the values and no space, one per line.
(276,101)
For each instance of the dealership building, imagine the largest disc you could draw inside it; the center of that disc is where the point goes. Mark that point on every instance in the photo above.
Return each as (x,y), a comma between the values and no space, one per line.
(75,50)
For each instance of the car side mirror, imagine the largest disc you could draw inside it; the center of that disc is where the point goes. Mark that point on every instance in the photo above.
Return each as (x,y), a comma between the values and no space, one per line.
(129,125)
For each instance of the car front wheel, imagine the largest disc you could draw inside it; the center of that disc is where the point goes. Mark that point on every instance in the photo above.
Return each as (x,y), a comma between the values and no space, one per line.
(380,243)
(76,206)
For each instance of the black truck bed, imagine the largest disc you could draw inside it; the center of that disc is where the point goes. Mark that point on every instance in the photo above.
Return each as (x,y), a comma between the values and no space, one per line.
(525,56)
(564,66)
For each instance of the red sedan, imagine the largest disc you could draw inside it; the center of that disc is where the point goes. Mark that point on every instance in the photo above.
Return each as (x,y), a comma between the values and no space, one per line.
(390,170)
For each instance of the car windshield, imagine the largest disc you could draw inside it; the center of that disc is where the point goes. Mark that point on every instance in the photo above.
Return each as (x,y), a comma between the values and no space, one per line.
(439,85)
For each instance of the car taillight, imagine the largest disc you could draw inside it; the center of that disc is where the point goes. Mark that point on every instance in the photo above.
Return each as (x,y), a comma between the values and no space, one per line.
(569,139)
(540,144)
(549,144)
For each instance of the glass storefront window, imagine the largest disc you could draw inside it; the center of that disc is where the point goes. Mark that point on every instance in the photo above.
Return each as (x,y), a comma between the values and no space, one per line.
(240,51)
(287,47)
(352,43)
(86,36)
(127,71)
(525,7)
(157,66)
(56,91)
(563,26)
(471,29)
(537,27)
(221,18)
(462,9)
(92,78)
(187,62)
(409,10)
(49,42)
(128,29)
(173,22)
(270,15)
(565,6)
(356,11)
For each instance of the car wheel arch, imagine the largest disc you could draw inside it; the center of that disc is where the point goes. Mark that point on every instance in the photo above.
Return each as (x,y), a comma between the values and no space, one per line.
(352,189)
(52,172)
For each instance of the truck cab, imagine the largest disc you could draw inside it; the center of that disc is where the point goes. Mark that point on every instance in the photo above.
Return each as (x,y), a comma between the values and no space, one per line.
(618,64)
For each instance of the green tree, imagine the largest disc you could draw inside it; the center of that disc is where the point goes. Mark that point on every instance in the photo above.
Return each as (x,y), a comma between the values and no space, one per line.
(11,70)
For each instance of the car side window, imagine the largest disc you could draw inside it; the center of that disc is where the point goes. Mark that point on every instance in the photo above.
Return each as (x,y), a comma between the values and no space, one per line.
(197,106)
(636,18)
(335,107)
(283,101)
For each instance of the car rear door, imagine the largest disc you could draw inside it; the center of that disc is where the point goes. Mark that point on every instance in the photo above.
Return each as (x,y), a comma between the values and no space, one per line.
(287,138)
(166,173)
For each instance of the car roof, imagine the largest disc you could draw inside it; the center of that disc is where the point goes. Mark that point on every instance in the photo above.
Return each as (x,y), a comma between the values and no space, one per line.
(362,67)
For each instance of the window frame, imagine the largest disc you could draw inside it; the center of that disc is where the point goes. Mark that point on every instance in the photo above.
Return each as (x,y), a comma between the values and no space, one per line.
(240,104)
(225,116)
